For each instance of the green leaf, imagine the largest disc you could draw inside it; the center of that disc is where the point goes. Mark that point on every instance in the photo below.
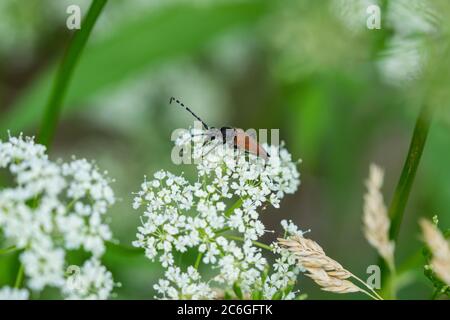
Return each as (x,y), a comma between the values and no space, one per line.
(228,295)
(278,295)
(137,46)
(237,291)
(265,275)
(65,71)
(257,295)
(288,289)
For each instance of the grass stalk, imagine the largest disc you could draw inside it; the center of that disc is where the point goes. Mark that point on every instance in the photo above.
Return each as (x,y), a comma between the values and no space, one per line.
(64,73)
(403,189)
(370,295)
(198,260)
(378,297)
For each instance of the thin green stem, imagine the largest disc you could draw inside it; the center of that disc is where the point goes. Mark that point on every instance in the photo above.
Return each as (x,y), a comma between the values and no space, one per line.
(8,250)
(236,205)
(19,277)
(220,231)
(403,189)
(367,286)
(435,294)
(370,295)
(402,273)
(198,260)
(65,72)
(256,243)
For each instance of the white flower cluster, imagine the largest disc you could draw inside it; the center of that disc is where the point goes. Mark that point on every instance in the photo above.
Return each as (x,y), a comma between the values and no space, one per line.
(92,282)
(207,215)
(8,293)
(353,13)
(291,229)
(52,208)
(414,23)
(285,273)
(182,285)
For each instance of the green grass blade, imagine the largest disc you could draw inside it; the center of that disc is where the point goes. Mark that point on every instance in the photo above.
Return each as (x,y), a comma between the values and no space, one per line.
(403,189)
(134,48)
(65,72)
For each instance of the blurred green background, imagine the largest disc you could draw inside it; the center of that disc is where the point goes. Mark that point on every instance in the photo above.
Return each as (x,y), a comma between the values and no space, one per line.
(342,95)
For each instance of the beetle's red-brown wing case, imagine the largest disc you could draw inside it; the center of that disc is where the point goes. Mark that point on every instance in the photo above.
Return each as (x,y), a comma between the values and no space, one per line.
(248,143)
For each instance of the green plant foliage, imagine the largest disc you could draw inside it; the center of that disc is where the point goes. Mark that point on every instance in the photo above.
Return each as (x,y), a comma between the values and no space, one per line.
(142,43)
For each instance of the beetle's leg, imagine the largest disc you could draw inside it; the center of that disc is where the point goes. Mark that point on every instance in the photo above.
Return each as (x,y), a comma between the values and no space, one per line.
(212,148)
(191,135)
(211,138)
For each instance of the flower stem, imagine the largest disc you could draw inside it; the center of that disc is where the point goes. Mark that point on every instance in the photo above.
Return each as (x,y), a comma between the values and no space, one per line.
(65,72)
(19,277)
(368,287)
(435,294)
(370,295)
(256,243)
(198,260)
(403,189)
(220,231)
(236,205)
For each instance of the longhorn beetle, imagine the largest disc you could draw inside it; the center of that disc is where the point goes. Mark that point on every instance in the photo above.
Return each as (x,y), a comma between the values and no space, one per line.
(234,137)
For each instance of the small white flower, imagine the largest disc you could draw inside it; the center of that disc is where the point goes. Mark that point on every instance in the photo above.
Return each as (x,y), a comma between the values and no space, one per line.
(291,229)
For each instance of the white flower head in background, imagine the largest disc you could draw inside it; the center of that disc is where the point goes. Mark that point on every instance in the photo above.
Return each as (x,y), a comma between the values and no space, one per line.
(414,23)
(8,293)
(51,208)
(353,13)
(403,60)
(208,214)
(410,17)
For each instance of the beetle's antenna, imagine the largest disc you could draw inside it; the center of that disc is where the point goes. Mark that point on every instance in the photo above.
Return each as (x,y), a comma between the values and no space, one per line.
(190,111)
